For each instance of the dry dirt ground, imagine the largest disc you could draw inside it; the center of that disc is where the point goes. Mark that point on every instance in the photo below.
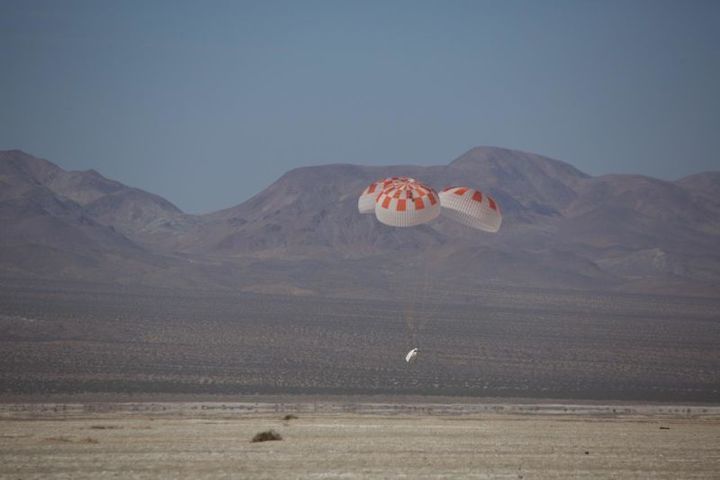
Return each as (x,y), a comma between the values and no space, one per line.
(203,442)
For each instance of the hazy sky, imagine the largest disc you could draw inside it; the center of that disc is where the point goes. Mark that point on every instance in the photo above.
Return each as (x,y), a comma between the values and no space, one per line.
(206,103)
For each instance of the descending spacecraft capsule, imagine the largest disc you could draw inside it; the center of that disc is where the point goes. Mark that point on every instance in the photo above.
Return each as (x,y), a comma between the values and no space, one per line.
(411,355)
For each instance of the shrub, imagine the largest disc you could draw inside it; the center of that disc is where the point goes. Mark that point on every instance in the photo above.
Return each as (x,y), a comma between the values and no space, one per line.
(290,416)
(266,436)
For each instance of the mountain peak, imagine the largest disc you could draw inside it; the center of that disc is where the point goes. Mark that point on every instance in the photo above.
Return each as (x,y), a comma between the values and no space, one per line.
(702,184)
(508,159)
(93,173)
(712,176)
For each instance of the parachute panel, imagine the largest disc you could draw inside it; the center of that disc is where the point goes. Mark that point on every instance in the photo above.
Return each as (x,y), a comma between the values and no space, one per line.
(472,208)
(366,201)
(407,203)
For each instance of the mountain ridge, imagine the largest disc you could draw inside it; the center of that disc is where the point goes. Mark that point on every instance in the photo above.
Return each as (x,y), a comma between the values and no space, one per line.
(563,228)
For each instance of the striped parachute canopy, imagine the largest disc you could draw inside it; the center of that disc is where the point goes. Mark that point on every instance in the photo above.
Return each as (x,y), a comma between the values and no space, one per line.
(470,207)
(406,203)
(366,202)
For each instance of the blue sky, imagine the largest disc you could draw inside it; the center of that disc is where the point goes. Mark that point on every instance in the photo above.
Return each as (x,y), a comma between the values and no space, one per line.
(206,103)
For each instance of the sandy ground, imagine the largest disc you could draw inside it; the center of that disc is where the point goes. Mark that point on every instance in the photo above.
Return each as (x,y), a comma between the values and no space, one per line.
(198,443)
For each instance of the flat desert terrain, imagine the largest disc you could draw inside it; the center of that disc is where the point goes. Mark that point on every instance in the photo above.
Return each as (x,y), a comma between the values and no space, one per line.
(70,340)
(202,441)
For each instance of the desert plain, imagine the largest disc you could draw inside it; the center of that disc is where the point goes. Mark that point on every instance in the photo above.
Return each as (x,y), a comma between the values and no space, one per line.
(358,440)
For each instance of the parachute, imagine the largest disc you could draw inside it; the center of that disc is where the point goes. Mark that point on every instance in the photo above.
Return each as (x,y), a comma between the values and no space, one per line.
(406,202)
(366,202)
(470,207)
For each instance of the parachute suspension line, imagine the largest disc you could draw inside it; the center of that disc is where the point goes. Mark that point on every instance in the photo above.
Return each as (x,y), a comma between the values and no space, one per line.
(408,287)
(416,285)
(426,294)
(409,296)
(437,291)
(403,286)
(408,315)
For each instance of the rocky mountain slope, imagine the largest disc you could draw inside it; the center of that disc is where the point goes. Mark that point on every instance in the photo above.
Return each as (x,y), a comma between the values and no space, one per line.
(562,228)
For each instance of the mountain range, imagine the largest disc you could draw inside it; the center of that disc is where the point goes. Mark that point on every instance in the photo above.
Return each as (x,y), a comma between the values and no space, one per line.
(562,228)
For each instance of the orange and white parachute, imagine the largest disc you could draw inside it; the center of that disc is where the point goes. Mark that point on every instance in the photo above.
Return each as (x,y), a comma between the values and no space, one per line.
(400,202)
(366,202)
(470,207)
(406,202)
